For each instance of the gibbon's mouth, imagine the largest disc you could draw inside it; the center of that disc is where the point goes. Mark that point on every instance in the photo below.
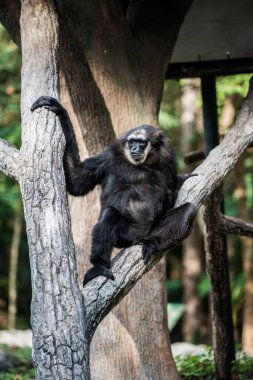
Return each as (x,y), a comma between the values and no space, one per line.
(137,157)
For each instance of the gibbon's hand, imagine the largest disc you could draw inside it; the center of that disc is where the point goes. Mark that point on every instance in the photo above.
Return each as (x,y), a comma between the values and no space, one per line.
(49,103)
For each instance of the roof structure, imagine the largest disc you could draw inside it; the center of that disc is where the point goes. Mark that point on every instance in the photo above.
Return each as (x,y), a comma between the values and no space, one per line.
(216,37)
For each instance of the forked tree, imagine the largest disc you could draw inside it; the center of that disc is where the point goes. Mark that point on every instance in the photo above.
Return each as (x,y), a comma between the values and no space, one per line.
(109,60)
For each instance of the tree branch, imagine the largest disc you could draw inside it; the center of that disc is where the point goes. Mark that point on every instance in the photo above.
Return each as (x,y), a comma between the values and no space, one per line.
(8,158)
(101,295)
(235,226)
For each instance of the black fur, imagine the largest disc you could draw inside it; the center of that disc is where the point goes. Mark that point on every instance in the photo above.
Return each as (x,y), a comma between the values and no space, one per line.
(137,199)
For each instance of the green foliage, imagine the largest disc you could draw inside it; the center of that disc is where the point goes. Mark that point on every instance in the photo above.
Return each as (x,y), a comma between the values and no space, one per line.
(10,198)
(196,366)
(204,286)
(17,365)
(243,366)
(249,188)
(201,367)
(10,63)
(230,86)
(170,108)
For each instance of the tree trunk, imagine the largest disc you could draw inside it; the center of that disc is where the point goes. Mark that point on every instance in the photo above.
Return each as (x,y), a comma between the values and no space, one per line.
(221,308)
(60,347)
(14,252)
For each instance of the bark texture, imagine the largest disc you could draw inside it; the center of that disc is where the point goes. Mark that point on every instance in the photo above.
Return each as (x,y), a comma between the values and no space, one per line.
(235,226)
(217,268)
(9,156)
(60,347)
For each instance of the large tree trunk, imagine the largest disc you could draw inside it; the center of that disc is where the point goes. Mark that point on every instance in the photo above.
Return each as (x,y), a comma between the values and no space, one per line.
(59,342)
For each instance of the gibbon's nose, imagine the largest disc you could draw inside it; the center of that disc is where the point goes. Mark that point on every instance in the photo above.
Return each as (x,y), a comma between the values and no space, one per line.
(135,150)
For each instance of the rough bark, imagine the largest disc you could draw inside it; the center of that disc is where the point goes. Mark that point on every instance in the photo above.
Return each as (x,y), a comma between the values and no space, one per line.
(9,156)
(220,296)
(60,347)
(235,226)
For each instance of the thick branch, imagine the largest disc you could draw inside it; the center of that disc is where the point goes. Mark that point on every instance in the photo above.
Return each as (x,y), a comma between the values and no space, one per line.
(101,295)
(8,158)
(235,226)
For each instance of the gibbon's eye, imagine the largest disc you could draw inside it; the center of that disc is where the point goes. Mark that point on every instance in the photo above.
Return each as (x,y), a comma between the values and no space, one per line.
(141,143)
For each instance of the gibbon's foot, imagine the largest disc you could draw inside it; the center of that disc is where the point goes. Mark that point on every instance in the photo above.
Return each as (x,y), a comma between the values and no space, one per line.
(49,103)
(147,252)
(97,271)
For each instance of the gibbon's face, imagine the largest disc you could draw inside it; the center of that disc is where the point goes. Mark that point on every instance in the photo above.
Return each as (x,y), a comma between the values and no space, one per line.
(137,146)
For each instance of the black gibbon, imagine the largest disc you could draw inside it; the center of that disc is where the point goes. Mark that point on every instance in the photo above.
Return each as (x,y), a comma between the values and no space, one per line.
(139,180)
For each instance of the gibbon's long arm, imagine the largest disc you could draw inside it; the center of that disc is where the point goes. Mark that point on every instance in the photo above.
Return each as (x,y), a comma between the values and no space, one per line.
(81,176)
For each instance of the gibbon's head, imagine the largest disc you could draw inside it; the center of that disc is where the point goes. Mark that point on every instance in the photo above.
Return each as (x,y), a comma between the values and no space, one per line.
(145,144)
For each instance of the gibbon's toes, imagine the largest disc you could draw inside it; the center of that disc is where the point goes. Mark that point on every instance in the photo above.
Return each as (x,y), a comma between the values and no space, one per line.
(97,271)
(147,252)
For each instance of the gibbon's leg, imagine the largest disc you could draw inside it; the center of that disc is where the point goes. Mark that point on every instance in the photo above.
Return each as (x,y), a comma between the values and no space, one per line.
(105,236)
(172,229)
